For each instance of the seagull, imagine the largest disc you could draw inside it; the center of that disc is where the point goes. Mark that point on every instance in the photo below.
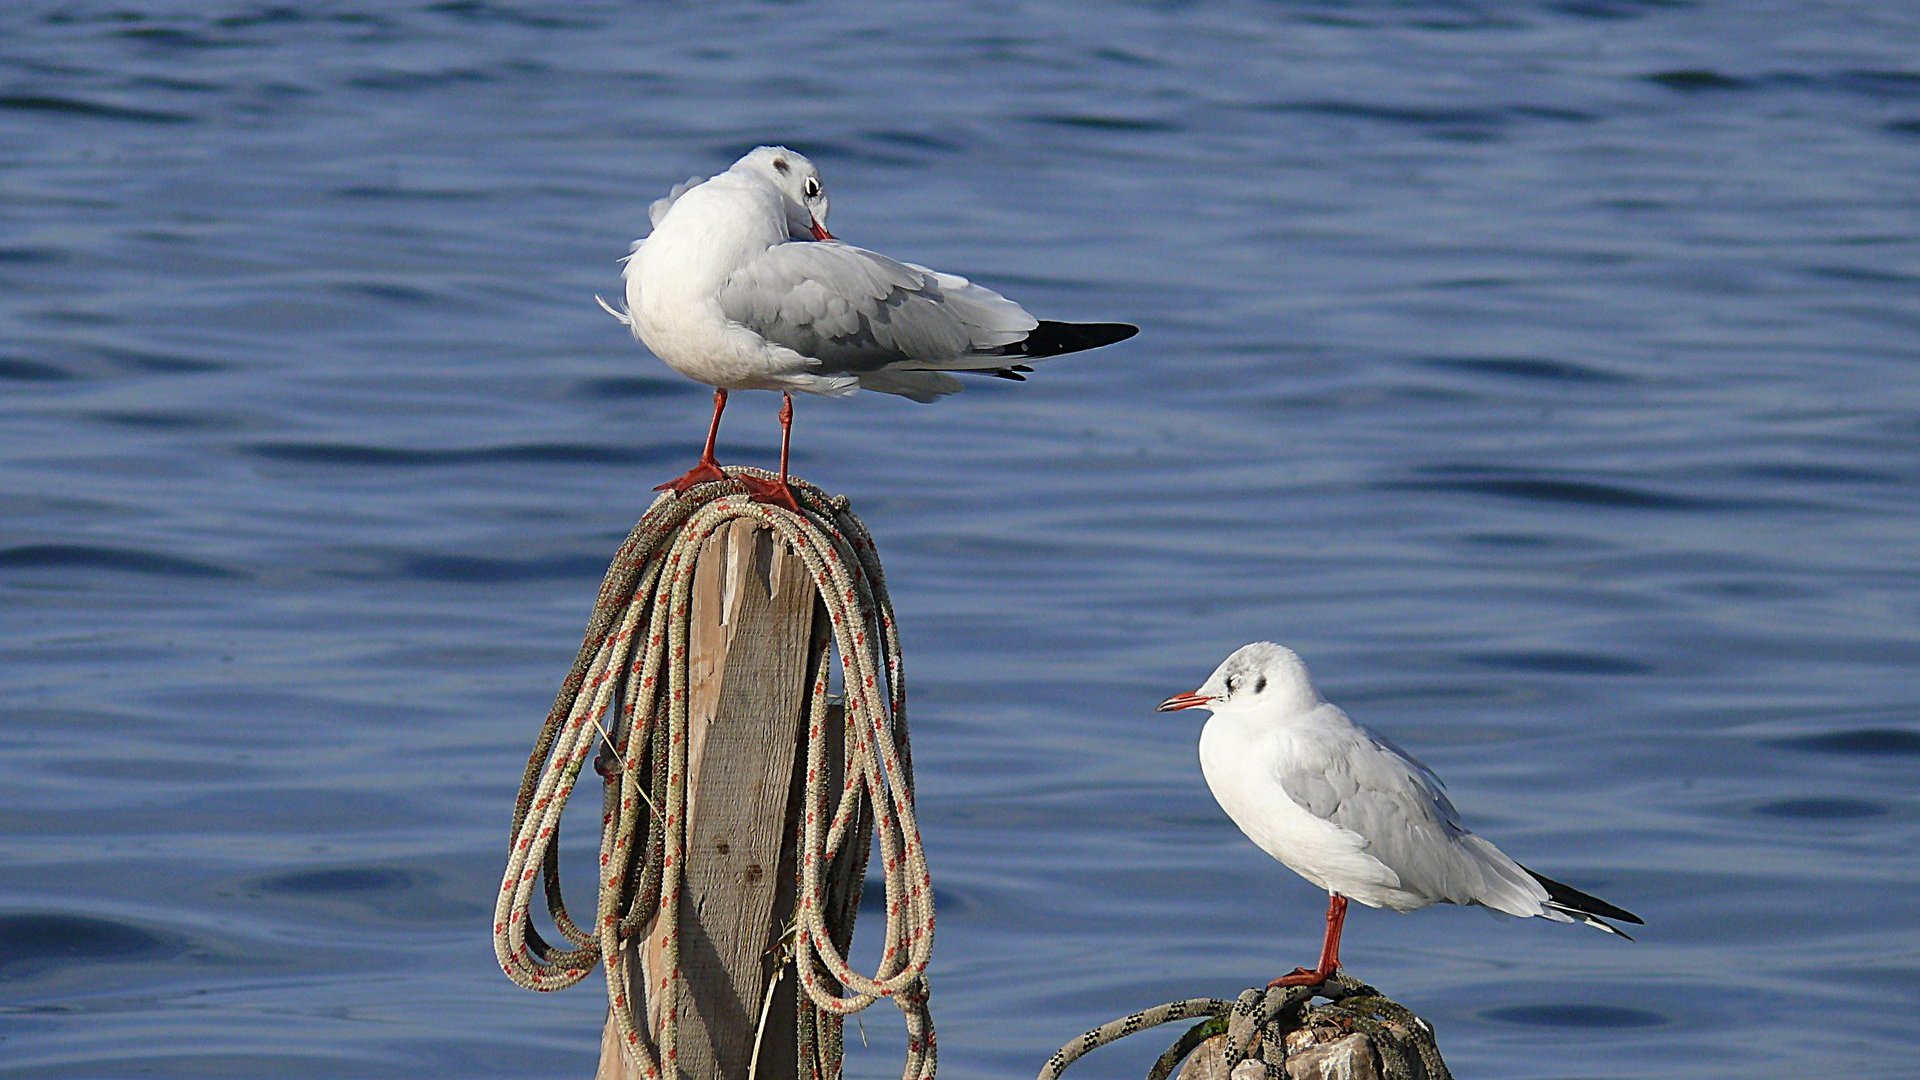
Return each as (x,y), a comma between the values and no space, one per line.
(1348,810)
(741,286)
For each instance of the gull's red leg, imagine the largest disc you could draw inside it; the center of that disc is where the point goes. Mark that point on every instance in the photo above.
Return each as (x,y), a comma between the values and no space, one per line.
(709,469)
(1329,949)
(776,492)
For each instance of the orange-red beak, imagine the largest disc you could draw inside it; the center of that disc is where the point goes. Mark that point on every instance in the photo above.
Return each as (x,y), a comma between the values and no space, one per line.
(1192,700)
(820,232)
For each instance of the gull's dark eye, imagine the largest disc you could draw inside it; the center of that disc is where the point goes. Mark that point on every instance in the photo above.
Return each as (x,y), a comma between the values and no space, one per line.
(812,187)
(1233,683)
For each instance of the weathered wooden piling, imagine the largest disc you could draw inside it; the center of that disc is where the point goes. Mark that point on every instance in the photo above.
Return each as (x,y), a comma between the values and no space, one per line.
(741,800)
(755,613)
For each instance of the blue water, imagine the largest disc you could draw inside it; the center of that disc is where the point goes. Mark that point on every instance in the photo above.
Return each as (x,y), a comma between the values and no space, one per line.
(1548,374)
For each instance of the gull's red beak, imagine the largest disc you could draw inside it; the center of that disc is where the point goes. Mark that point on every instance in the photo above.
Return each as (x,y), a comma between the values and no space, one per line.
(820,232)
(1192,700)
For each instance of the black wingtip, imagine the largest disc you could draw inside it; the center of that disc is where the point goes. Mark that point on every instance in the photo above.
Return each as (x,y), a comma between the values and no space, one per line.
(1055,338)
(1562,895)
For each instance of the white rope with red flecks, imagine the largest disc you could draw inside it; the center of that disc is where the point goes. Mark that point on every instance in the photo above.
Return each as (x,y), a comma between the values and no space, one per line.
(640,696)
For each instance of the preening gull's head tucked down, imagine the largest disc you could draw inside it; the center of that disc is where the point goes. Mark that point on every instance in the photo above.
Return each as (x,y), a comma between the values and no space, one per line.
(741,286)
(1348,810)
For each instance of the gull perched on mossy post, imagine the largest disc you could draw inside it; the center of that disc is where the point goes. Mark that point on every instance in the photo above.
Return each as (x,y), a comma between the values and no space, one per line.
(1348,810)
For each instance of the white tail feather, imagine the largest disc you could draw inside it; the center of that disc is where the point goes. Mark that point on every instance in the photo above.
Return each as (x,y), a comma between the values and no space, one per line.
(624,317)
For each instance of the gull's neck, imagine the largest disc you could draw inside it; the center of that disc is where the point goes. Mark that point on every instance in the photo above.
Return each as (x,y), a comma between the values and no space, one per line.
(702,240)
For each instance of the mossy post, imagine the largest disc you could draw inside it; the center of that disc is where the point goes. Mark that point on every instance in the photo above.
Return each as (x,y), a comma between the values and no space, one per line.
(1356,1035)
(1270,1032)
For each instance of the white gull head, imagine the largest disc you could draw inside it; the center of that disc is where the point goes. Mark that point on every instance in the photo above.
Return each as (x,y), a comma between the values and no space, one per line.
(1257,678)
(798,182)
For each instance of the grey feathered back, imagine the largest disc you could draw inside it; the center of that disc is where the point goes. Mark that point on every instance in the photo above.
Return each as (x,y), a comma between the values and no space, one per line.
(1398,804)
(857,311)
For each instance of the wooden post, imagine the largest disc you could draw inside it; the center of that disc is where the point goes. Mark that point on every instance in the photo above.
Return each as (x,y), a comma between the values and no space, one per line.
(753,617)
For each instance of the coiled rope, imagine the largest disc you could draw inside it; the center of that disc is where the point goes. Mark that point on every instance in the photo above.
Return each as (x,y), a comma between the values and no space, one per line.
(1256,1025)
(627,694)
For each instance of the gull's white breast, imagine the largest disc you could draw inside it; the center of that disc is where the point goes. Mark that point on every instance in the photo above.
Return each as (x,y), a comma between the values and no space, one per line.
(1243,761)
(675,275)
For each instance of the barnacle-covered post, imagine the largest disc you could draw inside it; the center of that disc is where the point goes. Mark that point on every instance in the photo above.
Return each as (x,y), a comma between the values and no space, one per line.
(1277,1032)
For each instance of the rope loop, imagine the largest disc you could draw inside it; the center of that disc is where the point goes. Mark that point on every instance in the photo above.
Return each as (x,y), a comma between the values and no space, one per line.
(626,696)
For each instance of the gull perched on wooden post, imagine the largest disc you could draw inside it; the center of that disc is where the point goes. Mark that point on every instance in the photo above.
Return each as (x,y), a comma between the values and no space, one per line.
(1348,810)
(741,286)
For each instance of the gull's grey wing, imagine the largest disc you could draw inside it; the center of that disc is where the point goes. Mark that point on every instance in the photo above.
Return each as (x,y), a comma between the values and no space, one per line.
(1368,786)
(857,311)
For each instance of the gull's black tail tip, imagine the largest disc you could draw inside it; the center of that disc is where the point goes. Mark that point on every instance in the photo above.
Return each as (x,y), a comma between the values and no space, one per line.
(1054,338)
(1585,907)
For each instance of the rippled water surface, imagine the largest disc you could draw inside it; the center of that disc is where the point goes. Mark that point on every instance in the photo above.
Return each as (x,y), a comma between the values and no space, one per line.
(1546,373)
